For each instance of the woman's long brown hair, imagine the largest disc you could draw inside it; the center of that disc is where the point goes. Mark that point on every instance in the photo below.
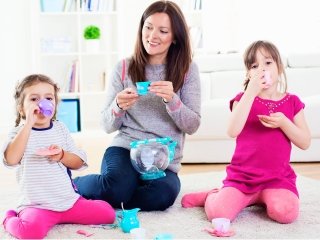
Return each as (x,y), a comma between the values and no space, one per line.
(179,55)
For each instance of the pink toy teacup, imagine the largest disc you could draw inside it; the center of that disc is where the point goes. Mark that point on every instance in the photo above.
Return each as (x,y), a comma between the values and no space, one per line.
(268,79)
(221,224)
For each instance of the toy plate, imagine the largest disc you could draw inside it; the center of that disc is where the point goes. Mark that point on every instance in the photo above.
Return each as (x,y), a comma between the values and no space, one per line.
(47,152)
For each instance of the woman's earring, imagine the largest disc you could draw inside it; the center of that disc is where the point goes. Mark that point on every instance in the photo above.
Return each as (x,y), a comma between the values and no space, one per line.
(174,42)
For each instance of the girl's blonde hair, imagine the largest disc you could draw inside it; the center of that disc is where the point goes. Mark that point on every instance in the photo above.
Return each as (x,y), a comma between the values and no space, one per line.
(28,81)
(250,58)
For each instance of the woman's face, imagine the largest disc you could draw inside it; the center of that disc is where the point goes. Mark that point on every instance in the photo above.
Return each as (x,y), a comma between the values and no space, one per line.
(157,37)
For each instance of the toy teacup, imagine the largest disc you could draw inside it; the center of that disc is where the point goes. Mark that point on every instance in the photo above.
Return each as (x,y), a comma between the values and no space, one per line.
(142,87)
(46,107)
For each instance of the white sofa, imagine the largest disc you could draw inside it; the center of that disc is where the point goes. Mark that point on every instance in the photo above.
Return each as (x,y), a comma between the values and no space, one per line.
(222,77)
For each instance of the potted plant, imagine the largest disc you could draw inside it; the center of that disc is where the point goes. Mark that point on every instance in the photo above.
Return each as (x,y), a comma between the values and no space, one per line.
(91,35)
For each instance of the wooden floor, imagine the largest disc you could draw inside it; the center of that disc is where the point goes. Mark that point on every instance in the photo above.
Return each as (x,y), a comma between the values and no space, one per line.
(311,170)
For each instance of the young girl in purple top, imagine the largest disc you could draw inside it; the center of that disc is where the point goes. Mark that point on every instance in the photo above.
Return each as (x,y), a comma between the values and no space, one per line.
(265,120)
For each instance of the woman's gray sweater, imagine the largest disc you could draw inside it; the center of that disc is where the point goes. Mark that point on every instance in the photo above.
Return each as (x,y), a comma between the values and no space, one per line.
(150,117)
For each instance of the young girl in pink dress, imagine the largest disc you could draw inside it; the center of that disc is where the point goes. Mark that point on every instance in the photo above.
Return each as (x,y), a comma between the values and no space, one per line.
(265,120)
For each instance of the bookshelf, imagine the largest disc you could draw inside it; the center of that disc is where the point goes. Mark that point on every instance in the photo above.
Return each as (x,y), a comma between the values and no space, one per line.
(192,10)
(61,52)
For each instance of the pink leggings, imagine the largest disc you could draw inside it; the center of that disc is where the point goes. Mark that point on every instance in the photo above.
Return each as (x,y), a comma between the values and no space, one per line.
(36,222)
(282,205)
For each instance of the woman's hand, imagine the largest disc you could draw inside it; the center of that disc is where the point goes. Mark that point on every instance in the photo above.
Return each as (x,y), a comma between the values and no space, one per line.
(162,89)
(275,120)
(126,98)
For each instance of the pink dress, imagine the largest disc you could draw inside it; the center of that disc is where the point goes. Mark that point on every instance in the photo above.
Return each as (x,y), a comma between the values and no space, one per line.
(262,156)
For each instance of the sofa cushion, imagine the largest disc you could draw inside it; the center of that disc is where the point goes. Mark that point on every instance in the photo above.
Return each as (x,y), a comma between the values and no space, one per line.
(205,82)
(303,81)
(312,114)
(214,120)
(226,84)
(301,60)
(219,62)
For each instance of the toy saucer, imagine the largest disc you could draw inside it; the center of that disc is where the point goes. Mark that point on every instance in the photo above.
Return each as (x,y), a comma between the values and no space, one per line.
(47,152)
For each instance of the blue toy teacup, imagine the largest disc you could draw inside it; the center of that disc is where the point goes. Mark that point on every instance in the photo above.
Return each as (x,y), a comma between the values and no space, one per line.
(142,87)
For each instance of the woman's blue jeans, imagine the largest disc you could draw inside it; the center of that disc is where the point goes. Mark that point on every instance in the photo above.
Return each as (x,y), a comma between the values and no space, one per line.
(120,182)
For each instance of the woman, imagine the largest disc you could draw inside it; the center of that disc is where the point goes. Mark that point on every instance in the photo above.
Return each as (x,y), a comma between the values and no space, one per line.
(171,109)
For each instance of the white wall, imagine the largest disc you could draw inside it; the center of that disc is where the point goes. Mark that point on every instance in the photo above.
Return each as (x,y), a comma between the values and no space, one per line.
(290,24)
(131,12)
(15,55)
(293,25)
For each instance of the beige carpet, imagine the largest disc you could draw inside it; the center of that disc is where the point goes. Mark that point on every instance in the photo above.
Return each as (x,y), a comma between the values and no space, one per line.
(252,223)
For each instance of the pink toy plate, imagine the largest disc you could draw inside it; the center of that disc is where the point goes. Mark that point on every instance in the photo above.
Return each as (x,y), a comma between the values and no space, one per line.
(216,233)
(47,152)
(85,233)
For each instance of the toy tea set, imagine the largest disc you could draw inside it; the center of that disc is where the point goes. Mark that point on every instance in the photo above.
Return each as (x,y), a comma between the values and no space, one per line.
(268,79)
(46,107)
(220,228)
(128,221)
(150,157)
(142,87)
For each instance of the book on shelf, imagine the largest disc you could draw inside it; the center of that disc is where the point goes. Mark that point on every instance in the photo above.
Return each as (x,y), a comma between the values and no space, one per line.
(70,6)
(52,5)
(69,113)
(71,83)
(97,5)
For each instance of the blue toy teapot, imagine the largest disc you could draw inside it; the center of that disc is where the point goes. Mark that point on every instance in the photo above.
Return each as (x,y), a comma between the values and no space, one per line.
(128,219)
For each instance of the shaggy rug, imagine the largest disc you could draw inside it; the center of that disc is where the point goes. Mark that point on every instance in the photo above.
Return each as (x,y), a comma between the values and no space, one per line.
(252,223)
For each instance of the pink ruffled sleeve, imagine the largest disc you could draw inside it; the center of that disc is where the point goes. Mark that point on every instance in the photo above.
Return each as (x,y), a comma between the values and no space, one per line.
(297,104)
(236,98)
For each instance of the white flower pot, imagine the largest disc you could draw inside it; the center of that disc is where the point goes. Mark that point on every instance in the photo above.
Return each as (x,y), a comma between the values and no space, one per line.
(92,45)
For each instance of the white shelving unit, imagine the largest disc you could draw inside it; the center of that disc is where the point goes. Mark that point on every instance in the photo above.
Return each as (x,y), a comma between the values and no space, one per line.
(58,43)
(60,51)
(192,10)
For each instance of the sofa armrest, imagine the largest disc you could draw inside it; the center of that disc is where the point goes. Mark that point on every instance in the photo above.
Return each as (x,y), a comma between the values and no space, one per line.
(312,114)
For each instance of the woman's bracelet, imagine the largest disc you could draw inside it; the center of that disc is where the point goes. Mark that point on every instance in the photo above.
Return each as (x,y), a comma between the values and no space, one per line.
(118,104)
(164,100)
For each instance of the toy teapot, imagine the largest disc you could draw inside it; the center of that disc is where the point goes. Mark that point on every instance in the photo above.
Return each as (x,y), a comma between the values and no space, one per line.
(151,157)
(128,219)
